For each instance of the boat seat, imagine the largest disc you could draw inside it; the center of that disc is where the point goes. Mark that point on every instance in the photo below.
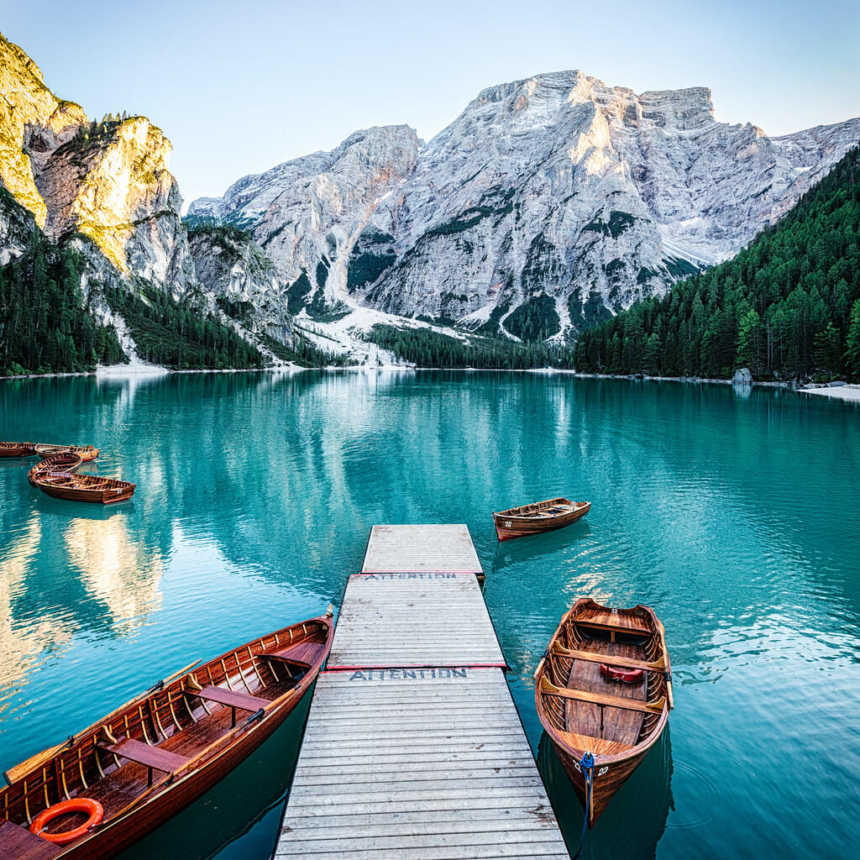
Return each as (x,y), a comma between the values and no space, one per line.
(608,659)
(634,628)
(230,698)
(605,701)
(597,746)
(152,757)
(302,654)
(19,842)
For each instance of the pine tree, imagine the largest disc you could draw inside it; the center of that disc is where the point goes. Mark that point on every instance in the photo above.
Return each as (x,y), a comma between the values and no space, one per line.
(852,342)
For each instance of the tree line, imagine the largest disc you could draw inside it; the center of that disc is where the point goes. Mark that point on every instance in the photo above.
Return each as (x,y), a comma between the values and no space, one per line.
(46,324)
(787,306)
(179,336)
(427,348)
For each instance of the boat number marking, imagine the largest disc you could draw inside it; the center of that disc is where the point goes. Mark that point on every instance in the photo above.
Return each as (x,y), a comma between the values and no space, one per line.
(508,524)
(602,772)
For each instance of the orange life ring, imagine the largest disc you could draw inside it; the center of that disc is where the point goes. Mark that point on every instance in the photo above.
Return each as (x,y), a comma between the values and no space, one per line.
(79,804)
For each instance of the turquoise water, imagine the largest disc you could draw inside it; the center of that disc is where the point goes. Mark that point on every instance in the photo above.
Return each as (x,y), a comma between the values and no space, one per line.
(736,517)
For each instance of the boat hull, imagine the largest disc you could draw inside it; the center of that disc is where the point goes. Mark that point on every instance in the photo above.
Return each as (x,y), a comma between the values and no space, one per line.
(72,494)
(20,449)
(510,527)
(607,778)
(56,463)
(85,452)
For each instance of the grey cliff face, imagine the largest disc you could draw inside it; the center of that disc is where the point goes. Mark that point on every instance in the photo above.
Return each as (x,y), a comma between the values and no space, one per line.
(548,204)
(306,214)
(235,272)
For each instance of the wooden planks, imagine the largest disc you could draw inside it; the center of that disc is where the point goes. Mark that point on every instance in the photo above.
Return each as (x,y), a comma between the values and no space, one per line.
(417,763)
(421,549)
(413,746)
(414,619)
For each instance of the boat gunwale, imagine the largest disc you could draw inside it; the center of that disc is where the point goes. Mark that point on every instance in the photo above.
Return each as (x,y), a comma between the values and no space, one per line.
(575,506)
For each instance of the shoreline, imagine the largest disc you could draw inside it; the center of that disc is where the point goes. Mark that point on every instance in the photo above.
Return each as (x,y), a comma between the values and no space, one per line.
(847,393)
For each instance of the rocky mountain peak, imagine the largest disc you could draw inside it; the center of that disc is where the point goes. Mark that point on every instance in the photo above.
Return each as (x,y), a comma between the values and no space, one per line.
(107,180)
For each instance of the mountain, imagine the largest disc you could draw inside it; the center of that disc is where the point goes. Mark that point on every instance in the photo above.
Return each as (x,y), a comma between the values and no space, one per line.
(106,181)
(547,205)
(91,236)
(787,306)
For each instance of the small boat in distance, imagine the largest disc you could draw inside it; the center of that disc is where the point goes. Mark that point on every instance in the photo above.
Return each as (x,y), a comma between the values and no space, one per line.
(67,461)
(86,452)
(538,517)
(138,766)
(603,692)
(83,488)
(17,449)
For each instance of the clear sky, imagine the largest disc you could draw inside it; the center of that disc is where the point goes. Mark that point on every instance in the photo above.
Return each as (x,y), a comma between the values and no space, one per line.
(239,87)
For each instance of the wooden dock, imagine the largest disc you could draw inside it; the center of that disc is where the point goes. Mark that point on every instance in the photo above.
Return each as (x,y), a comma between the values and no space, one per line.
(413,746)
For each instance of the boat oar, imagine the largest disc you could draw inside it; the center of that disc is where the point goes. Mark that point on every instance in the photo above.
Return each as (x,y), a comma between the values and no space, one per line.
(35,761)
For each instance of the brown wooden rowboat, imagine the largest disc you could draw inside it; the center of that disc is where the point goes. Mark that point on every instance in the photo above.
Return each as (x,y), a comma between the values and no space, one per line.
(67,461)
(160,751)
(17,449)
(584,710)
(86,452)
(84,488)
(538,517)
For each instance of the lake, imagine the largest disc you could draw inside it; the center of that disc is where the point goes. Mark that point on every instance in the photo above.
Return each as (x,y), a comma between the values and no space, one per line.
(735,516)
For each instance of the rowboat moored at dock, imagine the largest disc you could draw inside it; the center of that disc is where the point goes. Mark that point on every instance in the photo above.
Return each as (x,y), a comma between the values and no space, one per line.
(141,764)
(603,692)
(86,452)
(538,517)
(65,462)
(17,449)
(84,488)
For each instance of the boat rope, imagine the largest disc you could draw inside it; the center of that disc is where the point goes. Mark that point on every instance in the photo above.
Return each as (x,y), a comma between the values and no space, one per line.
(586,764)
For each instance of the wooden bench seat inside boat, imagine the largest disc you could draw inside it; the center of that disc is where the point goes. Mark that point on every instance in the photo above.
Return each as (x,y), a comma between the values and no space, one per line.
(610,660)
(597,746)
(231,698)
(618,623)
(151,756)
(302,654)
(603,699)
(18,842)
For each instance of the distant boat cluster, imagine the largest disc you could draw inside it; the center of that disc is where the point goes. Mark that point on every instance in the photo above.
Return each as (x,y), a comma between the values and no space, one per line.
(57,473)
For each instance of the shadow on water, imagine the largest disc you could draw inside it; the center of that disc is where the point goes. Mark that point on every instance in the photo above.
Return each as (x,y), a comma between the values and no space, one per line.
(247,805)
(537,548)
(635,819)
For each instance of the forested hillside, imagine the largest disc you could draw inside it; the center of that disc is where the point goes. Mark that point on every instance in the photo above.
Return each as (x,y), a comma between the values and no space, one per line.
(787,306)
(427,348)
(45,324)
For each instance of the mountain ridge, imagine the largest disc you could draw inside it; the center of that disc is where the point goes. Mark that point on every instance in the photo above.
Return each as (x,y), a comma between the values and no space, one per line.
(556,187)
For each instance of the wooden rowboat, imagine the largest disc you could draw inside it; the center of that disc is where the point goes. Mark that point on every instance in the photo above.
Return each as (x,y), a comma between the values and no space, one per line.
(84,488)
(17,449)
(86,452)
(538,517)
(65,462)
(157,753)
(604,688)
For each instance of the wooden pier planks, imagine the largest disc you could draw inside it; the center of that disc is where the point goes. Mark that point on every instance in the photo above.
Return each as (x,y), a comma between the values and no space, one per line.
(413,746)
(414,619)
(417,549)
